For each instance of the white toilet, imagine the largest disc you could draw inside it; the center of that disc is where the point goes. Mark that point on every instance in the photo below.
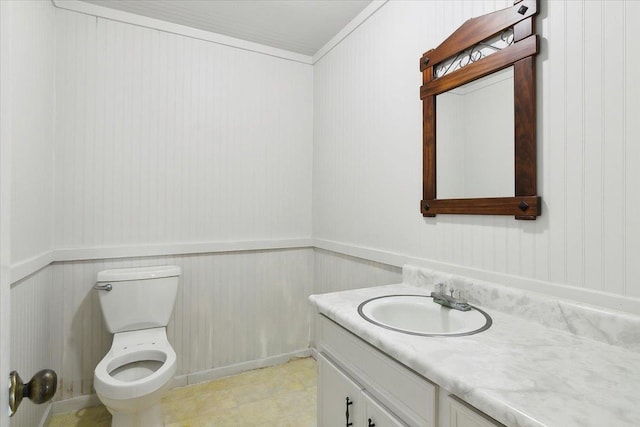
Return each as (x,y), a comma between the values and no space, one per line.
(140,365)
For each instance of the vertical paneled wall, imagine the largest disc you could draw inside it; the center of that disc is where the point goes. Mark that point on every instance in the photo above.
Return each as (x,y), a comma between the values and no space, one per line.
(32,114)
(231,308)
(590,100)
(162,138)
(368,147)
(165,139)
(337,272)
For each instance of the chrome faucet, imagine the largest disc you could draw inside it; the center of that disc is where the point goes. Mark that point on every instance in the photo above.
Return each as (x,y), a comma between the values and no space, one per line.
(440,297)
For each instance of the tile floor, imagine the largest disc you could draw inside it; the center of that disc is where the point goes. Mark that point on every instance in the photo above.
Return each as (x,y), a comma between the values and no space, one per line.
(278,396)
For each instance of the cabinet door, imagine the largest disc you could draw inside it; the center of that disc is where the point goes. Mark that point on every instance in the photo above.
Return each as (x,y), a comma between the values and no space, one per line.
(462,416)
(339,397)
(407,394)
(377,415)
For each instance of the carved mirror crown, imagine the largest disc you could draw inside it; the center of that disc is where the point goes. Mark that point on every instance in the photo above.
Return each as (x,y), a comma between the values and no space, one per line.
(480,47)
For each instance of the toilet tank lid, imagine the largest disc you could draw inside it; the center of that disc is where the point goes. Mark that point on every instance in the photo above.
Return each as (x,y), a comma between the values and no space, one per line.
(139,273)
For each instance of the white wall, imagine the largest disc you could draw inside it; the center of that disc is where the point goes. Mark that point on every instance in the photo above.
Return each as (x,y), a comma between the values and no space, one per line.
(162,138)
(338,272)
(32,104)
(367,149)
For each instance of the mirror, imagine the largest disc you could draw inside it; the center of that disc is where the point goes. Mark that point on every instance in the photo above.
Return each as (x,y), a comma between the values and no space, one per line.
(479,167)
(474,128)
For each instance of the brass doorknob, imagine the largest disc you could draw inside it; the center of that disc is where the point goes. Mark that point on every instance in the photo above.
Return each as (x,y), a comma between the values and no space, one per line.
(41,388)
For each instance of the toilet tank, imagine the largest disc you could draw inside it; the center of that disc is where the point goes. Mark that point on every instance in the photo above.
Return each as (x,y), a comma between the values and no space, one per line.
(140,297)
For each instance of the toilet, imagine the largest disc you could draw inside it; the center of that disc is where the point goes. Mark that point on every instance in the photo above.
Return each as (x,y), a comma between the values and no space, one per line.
(138,369)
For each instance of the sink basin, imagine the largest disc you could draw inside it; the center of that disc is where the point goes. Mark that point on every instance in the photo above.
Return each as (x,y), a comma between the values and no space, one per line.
(419,315)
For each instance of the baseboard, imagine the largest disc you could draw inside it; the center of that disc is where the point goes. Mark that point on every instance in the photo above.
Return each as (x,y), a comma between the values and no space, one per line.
(225,371)
(314,353)
(45,417)
(75,403)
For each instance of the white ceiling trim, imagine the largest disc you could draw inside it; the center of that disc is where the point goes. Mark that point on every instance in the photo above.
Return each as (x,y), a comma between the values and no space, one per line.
(169,27)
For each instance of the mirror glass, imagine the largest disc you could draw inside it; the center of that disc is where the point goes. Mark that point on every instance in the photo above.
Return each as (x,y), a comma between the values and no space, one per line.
(475,139)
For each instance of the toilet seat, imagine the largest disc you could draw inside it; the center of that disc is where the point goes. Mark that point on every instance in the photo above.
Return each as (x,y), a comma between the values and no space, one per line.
(130,351)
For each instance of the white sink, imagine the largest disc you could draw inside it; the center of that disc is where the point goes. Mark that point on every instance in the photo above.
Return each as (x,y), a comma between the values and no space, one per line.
(419,315)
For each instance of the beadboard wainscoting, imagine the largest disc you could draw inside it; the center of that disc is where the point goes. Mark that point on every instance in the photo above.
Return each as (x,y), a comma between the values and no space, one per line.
(368,147)
(35,302)
(235,310)
(335,272)
(231,308)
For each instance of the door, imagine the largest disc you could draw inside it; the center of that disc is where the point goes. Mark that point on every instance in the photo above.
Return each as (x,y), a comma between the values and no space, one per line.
(5,173)
(339,397)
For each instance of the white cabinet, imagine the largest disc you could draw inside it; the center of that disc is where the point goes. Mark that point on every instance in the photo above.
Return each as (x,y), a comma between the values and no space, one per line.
(377,415)
(390,394)
(360,386)
(339,398)
(343,402)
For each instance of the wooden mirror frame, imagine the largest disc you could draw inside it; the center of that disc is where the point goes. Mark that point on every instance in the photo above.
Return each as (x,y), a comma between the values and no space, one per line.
(521,54)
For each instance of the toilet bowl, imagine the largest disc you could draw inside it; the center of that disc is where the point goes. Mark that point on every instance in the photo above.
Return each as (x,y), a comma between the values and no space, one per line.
(138,369)
(131,379)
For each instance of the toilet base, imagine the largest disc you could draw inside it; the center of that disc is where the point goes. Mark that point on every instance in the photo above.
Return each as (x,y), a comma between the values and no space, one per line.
(144,411)
(150,417)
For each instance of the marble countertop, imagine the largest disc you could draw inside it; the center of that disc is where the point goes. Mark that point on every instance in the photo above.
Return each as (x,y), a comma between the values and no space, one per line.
(519,372)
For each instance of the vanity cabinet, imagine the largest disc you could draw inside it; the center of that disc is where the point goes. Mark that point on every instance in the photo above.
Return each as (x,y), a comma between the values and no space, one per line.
(343,402)
(339,397)
(377,415)
(380,388)
(358,381)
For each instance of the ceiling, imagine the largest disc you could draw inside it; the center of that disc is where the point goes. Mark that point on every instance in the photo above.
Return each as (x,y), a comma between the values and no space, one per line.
(301,26)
